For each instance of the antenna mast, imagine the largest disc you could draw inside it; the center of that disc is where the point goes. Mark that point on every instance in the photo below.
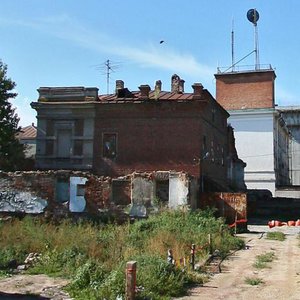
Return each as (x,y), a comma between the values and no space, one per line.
(232,45)
(107,68)
(253,17)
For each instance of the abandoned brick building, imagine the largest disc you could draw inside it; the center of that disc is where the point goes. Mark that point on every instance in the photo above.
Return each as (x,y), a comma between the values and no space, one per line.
(141,131)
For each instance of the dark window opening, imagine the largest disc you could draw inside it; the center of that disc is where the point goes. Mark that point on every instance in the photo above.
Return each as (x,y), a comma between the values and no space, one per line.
(78,146)
(50,128)
(79,124)
(109,145)
(80,190)
(162,191)
(62,190)
(49,147)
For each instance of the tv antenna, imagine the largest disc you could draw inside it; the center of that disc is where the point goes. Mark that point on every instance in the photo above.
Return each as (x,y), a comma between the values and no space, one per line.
(107,68)
(253,16)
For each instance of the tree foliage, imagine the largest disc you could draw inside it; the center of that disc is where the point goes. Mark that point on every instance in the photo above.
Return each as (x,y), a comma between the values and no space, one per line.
(11,151)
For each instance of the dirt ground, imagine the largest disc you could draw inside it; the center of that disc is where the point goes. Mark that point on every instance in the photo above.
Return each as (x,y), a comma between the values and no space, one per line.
(281,279)
(30,287)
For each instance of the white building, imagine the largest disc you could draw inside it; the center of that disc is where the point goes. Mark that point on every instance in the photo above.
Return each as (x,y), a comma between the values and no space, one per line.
(260,133)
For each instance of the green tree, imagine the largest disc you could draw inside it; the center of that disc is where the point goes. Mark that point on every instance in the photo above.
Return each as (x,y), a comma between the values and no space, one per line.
(11,151)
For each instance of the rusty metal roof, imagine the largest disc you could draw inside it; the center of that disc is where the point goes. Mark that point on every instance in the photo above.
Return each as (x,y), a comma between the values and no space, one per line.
(162,96)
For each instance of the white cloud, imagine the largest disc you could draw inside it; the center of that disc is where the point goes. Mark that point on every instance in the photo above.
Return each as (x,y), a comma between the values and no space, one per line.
(148,55)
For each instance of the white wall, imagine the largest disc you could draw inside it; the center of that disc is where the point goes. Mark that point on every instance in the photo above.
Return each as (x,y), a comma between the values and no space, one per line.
(254,138)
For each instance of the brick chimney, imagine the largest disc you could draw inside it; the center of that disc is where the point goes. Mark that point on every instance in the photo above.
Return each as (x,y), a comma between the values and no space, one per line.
(181,86)
(175,83)
(144,89)
(119,85)
(158,86)
(157,89)
(198,90)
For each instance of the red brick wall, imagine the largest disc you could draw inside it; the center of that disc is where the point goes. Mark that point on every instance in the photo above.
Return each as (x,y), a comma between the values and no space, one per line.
(156,136)
(245,89)
(147,141)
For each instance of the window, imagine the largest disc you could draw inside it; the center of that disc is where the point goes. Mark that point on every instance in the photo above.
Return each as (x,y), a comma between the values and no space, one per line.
(79,127)
(78,145)
(80,191)
(109,142)
(49,147)
(49,128)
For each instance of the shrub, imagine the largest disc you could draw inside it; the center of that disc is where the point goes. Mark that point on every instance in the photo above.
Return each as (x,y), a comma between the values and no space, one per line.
(253,280)
(263,260)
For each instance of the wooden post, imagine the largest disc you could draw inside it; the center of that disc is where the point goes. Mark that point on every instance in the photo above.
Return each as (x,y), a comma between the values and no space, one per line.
(193,256)
(130,280)
(210,243)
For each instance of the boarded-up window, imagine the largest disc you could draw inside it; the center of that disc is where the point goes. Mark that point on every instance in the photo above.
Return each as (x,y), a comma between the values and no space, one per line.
(78,145)
(49,147)
(79,127)
(109,141)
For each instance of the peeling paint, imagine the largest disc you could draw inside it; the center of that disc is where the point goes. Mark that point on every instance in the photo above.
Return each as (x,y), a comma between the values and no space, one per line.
(25,202)
(178,190)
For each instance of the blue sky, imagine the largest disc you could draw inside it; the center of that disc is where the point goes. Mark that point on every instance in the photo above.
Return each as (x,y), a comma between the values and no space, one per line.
(66,42)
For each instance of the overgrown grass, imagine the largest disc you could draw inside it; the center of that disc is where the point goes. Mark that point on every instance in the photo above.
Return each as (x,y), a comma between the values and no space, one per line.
(263,260)
(275,235)
(253,280)
(93,256)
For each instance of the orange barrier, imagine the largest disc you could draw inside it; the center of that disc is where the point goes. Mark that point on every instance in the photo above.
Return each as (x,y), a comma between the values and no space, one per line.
(274,223)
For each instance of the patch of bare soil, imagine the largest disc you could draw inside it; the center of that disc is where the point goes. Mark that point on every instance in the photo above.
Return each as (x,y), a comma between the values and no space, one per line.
(281,279)
(30,287)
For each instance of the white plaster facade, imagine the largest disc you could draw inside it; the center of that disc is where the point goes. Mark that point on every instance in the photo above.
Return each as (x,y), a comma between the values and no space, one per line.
(291,116)
(261,142)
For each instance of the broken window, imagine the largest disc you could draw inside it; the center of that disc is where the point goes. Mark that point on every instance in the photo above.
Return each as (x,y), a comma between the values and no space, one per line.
(109,141)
